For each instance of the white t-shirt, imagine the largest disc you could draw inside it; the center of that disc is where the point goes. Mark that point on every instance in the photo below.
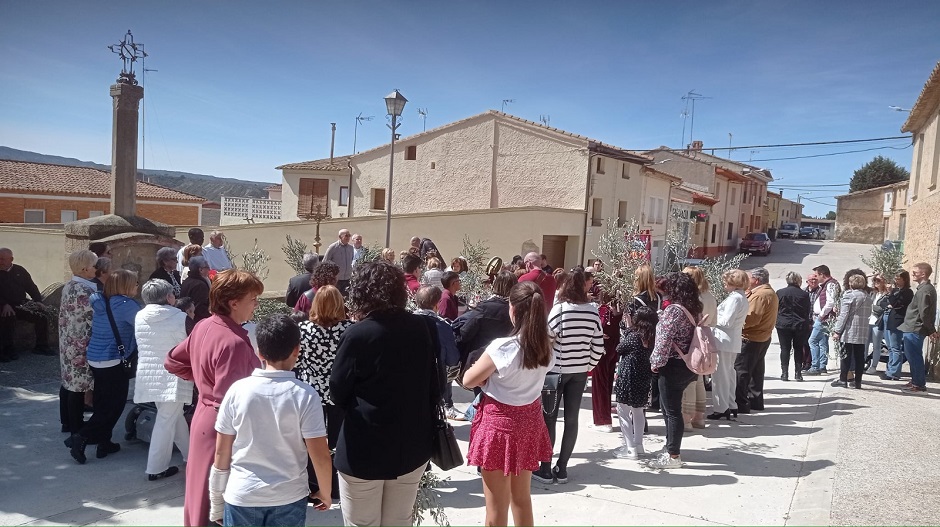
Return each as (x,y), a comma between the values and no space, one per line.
(511,383)
(269,458)
(216,258)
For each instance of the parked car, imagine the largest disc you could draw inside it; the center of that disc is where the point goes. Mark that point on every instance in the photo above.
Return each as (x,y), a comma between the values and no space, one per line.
(808,232)
(788,230)
(755,242)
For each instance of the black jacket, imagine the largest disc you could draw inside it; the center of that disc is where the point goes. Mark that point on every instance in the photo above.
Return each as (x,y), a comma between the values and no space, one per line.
(297,286)
(15,284)
(899,299)
(162,274)
(383,377)
(196,288)
(795,310)
(476,328)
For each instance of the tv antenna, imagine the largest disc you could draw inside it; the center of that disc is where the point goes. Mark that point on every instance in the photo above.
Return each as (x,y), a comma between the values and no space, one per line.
(359,120)
(691,96)
(423,112)
(505,102)
(546,119)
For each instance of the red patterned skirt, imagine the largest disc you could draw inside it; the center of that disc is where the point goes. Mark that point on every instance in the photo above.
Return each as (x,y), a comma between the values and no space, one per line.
(508,438)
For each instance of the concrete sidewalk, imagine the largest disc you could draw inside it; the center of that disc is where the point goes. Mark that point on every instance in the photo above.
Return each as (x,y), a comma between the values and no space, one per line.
(818,455)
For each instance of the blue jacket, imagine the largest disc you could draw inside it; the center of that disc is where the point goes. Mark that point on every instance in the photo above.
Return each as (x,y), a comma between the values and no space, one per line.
(448,352)
(102,346)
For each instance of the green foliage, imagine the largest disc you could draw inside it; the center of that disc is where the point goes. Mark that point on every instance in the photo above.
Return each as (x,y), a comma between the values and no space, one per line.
(878,172)
(476,254)
(428,500)
(715,266)
(256,262)
(831,215)
(678,245)
(886,262)
(623,252)
(371,253)
(294,251)
(270,306)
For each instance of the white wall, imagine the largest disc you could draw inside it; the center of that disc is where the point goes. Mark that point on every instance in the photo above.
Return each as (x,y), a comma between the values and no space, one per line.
(291,190)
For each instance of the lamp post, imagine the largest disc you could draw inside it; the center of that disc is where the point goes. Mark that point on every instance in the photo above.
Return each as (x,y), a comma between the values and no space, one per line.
(395,104)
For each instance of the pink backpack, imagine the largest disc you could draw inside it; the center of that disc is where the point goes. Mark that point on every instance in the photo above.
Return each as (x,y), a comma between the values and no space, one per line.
(702,358)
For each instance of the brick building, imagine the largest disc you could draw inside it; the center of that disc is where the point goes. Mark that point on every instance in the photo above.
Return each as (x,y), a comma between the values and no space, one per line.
(47,193)
(922,237)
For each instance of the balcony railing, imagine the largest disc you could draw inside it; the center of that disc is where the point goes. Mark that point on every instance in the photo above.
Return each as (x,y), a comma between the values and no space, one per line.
(251,208)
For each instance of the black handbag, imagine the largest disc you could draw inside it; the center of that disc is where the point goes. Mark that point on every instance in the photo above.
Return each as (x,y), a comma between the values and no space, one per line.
(550,392)
(445,452)
(129,362)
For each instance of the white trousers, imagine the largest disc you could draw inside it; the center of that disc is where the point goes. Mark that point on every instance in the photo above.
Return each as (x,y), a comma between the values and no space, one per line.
(379,501)
(724,381)
(170,427)
(632,422)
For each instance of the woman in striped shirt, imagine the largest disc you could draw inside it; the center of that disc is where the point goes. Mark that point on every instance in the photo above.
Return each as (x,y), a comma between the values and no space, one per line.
(578,345)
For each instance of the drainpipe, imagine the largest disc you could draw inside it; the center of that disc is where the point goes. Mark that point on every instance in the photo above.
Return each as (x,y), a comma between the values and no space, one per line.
(349,199)
(587,207)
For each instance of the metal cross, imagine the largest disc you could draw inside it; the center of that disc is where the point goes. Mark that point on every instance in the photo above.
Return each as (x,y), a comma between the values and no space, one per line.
(129,51)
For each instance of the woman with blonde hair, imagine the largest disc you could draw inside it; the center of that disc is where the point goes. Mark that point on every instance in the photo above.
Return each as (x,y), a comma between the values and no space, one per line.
(217,353)
(75,314)
(728,326)
(644,289)
(851,328)
(433,274)
(388,255)
(693,398)
(112,340)
(319,340)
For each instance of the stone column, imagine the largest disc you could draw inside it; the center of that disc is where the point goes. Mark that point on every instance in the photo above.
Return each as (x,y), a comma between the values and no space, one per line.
(124,148)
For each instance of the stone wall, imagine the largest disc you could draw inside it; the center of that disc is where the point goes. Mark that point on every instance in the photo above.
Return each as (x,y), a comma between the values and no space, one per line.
(860,217)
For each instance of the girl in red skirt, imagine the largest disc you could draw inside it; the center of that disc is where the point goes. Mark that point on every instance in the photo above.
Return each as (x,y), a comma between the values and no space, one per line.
(508,437)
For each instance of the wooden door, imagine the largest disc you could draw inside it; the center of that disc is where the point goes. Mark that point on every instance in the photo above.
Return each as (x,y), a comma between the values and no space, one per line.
(313,192)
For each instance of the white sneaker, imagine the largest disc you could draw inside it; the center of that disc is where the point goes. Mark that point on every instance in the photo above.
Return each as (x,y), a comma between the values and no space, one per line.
(625,452)
(602,428)
(871,371)
(666,461)
(454,414)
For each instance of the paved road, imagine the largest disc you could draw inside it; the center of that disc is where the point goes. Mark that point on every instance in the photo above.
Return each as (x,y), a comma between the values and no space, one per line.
(817,456)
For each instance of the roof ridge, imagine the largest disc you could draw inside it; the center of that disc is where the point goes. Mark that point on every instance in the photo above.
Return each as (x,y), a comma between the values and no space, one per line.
(46,163)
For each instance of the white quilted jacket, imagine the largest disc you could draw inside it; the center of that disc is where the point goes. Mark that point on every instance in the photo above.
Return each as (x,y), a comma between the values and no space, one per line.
(158,329)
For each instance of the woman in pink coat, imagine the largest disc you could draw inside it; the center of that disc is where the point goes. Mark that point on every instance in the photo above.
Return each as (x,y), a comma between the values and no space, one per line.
(217,353)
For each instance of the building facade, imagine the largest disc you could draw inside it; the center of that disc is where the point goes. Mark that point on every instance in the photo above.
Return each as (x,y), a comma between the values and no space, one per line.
(873,215)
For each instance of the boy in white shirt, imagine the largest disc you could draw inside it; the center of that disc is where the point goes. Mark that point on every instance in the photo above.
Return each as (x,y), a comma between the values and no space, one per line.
(259,475)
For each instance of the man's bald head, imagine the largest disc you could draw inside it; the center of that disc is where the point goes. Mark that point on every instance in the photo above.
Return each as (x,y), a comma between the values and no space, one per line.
(533,260)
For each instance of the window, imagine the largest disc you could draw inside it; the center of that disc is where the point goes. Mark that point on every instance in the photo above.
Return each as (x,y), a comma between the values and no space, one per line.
(34,216)
(902,226)
(718,190)
(730,230)
(312,197)
(625,171)
(714,231)
(378,199)
(744,194)
(742,220)
(596,209)
(411,153)
(68,215)
(622,213)
(734,195)
(95,213)
(936,161)
(655,212)
(918,160)
(600,165)
(343,196)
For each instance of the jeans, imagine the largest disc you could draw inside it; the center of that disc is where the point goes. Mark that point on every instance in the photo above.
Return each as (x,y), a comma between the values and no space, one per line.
(570,391)
(914,351)
(290,515)
(819,345)
(791,339)
(673,378)
(895,340)
(854,359)
(874,338)
(749,366)
(109,400)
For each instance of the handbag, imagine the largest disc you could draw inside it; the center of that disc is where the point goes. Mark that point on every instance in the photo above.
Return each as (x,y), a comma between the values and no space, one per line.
(445,452)
(550,392)
(129,362)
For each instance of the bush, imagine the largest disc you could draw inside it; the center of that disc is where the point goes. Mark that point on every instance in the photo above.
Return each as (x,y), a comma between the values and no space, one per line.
(294,251)
(270,306)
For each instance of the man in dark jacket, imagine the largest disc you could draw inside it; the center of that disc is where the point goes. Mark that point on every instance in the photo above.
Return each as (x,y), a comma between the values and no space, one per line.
(793,316)
(488,321)
(300,284)
(15,285)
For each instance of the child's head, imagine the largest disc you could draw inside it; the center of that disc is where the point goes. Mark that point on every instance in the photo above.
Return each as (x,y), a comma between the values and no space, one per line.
(644,322)
(186,305)
(435,263)
(278,341)
(451,281)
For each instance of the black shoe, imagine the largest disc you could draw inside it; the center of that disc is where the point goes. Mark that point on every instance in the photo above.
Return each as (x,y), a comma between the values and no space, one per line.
(77,448)
(107,448)
(839,384)
(717,416)
(66,429)
(5,358)
(543,475)
(784,377)
(172,471)
(561,474)
(44,351)
(741,411)
(798,376)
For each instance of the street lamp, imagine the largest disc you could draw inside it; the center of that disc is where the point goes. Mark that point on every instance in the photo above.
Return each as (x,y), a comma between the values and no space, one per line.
(395,104)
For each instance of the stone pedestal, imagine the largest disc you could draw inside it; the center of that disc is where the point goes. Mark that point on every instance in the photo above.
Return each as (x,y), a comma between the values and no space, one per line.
(124,148)
(134,241)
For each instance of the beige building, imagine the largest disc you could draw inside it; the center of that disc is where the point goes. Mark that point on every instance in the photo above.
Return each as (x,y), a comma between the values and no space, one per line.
(873,215)
(490,161)
(788,211)
(772,202)
(922,236)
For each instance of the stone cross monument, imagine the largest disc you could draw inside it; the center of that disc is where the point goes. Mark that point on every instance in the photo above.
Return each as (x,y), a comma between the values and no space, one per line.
(127,95)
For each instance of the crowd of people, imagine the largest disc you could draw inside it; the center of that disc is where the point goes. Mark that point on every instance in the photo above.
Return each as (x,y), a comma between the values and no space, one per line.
(338,401)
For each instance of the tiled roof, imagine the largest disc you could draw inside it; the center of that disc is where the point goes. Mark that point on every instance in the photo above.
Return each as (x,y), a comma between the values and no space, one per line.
(899,184)
(339,164)
(926,103)
(62,180)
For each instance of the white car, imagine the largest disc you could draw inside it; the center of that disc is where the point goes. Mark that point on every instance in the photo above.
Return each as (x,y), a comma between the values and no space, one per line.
(788,230)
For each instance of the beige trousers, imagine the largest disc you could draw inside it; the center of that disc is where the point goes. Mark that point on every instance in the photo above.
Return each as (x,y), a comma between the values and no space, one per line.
(379,501)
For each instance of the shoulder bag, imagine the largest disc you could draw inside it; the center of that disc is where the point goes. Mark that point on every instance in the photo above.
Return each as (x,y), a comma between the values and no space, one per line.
(129,362)
(445,452)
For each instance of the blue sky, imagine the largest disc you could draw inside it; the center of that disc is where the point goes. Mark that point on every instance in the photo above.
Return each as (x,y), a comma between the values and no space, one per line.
(244,86)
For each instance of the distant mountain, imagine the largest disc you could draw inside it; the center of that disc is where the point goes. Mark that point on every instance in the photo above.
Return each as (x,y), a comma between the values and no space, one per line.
(208,187)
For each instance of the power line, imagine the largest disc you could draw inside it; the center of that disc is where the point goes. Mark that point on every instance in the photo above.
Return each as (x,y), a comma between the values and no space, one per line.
(833,153)
(807,186)
(847,141)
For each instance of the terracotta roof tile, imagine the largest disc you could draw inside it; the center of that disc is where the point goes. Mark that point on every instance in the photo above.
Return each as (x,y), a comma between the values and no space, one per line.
(44,178)
(926,103)
(338,164)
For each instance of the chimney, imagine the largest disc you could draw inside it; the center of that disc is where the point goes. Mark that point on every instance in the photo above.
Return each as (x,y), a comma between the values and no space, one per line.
(697,146)
(332,141)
